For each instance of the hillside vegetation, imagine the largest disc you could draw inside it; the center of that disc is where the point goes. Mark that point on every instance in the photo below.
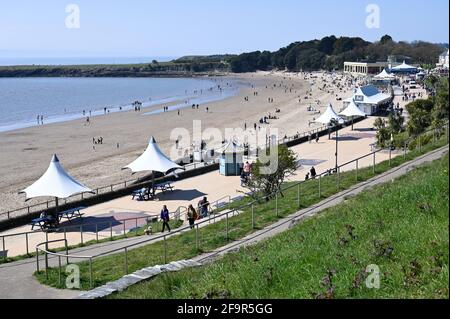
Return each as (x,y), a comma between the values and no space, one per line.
(328,53)
(400,227)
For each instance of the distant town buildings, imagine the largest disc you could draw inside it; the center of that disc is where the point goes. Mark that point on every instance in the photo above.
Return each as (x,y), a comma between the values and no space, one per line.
(443,60)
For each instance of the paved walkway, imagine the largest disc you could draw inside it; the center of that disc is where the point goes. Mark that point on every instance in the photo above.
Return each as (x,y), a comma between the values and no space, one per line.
(17,281)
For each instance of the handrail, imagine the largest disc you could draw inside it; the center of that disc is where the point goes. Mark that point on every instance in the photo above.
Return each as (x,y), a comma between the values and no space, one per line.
(206,220)
(98,190)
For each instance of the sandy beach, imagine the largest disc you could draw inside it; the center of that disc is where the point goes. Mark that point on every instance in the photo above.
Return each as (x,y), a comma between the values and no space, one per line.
(26,153)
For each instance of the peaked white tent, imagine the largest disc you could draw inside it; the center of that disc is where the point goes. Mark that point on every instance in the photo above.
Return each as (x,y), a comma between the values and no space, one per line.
(153,159)
(384,76)
(352,111)
(328,116)
(55,182)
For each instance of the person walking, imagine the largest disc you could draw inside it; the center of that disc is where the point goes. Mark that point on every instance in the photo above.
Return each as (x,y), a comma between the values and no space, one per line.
(191,214)
(203,207)
(165,218)
(313,172)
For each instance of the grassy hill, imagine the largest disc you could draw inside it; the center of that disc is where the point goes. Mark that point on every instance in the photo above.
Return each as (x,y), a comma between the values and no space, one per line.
(402,227)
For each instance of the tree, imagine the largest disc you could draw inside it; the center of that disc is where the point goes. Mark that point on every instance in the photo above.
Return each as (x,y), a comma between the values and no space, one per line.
(420,116)
(386,39)
(266,184)
(395,122)
(383,133)
(441,100)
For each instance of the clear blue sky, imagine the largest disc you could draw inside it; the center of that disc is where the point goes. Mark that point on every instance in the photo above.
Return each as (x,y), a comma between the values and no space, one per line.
(179,27)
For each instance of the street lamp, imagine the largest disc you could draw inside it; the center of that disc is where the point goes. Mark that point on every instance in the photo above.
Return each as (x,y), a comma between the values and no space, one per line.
(335,123)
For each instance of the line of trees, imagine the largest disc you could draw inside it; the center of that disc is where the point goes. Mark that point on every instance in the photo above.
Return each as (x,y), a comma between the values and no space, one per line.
(423,114)
(330,53)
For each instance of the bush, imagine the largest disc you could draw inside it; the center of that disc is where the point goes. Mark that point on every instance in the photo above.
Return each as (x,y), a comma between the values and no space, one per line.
(424,140)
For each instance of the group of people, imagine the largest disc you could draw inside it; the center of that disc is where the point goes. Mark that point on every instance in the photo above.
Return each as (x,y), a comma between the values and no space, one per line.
(40,119)
(193,214)
(311,174)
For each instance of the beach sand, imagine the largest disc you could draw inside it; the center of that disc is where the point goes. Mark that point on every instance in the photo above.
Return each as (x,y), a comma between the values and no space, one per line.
(26,152)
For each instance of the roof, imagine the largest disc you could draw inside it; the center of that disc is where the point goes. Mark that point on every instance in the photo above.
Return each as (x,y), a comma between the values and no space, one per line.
(55,182)
(368,94)
(230,148)
(403,67)
(352,110)
(153,159)
(328,116)
(385,76)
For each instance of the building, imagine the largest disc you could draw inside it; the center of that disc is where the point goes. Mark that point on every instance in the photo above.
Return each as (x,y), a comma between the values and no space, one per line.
(365,68)
(369,99)
(443,60)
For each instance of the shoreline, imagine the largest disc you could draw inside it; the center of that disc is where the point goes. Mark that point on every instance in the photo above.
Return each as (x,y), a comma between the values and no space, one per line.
(72,140)
(171,101)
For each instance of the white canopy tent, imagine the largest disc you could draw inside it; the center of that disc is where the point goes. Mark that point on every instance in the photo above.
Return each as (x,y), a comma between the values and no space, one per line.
(328,116)
(55,182)
(154,160)
(352,111)
(384,76)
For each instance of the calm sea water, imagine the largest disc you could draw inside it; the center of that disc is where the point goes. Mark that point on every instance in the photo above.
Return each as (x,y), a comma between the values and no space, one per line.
(63,99)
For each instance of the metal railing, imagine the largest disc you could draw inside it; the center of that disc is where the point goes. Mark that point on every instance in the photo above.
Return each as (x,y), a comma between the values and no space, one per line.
(45,205)
(251,205)
(179,214)
(34,208)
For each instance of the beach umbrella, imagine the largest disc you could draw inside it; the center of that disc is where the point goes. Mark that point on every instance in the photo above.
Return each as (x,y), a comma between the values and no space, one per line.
(329,116)
(55,182)
(154,160)
(352,111)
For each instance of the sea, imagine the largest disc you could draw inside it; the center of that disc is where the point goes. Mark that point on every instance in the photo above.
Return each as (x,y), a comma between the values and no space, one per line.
(22,100)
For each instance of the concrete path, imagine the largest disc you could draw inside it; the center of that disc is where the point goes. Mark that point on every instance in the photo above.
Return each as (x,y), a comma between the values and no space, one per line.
(288,222)
(17,281)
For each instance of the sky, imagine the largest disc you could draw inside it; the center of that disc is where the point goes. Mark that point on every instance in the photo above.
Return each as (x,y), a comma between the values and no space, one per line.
(134,28)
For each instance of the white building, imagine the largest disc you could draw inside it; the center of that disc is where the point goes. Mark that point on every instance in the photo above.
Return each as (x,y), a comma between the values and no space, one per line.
(368,99)
(443,60)
(364,68)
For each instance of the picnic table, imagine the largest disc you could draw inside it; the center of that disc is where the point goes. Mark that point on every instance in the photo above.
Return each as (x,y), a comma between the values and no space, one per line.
(49,221)
(43,222)
(147,193)
(71,214)
(166,186)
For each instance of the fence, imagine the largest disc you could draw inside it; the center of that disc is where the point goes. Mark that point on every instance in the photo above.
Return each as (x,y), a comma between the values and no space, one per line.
(274,202)
(50,204)
(82,230)
(36,208)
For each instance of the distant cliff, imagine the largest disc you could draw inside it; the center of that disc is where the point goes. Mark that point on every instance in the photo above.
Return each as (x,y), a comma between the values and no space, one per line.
(186,66)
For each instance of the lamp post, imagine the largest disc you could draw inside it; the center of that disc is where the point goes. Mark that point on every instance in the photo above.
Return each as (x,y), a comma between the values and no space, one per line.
(335,123)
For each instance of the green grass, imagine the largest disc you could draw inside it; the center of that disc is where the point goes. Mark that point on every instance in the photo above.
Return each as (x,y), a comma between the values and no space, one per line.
(213,236)
(402,227)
